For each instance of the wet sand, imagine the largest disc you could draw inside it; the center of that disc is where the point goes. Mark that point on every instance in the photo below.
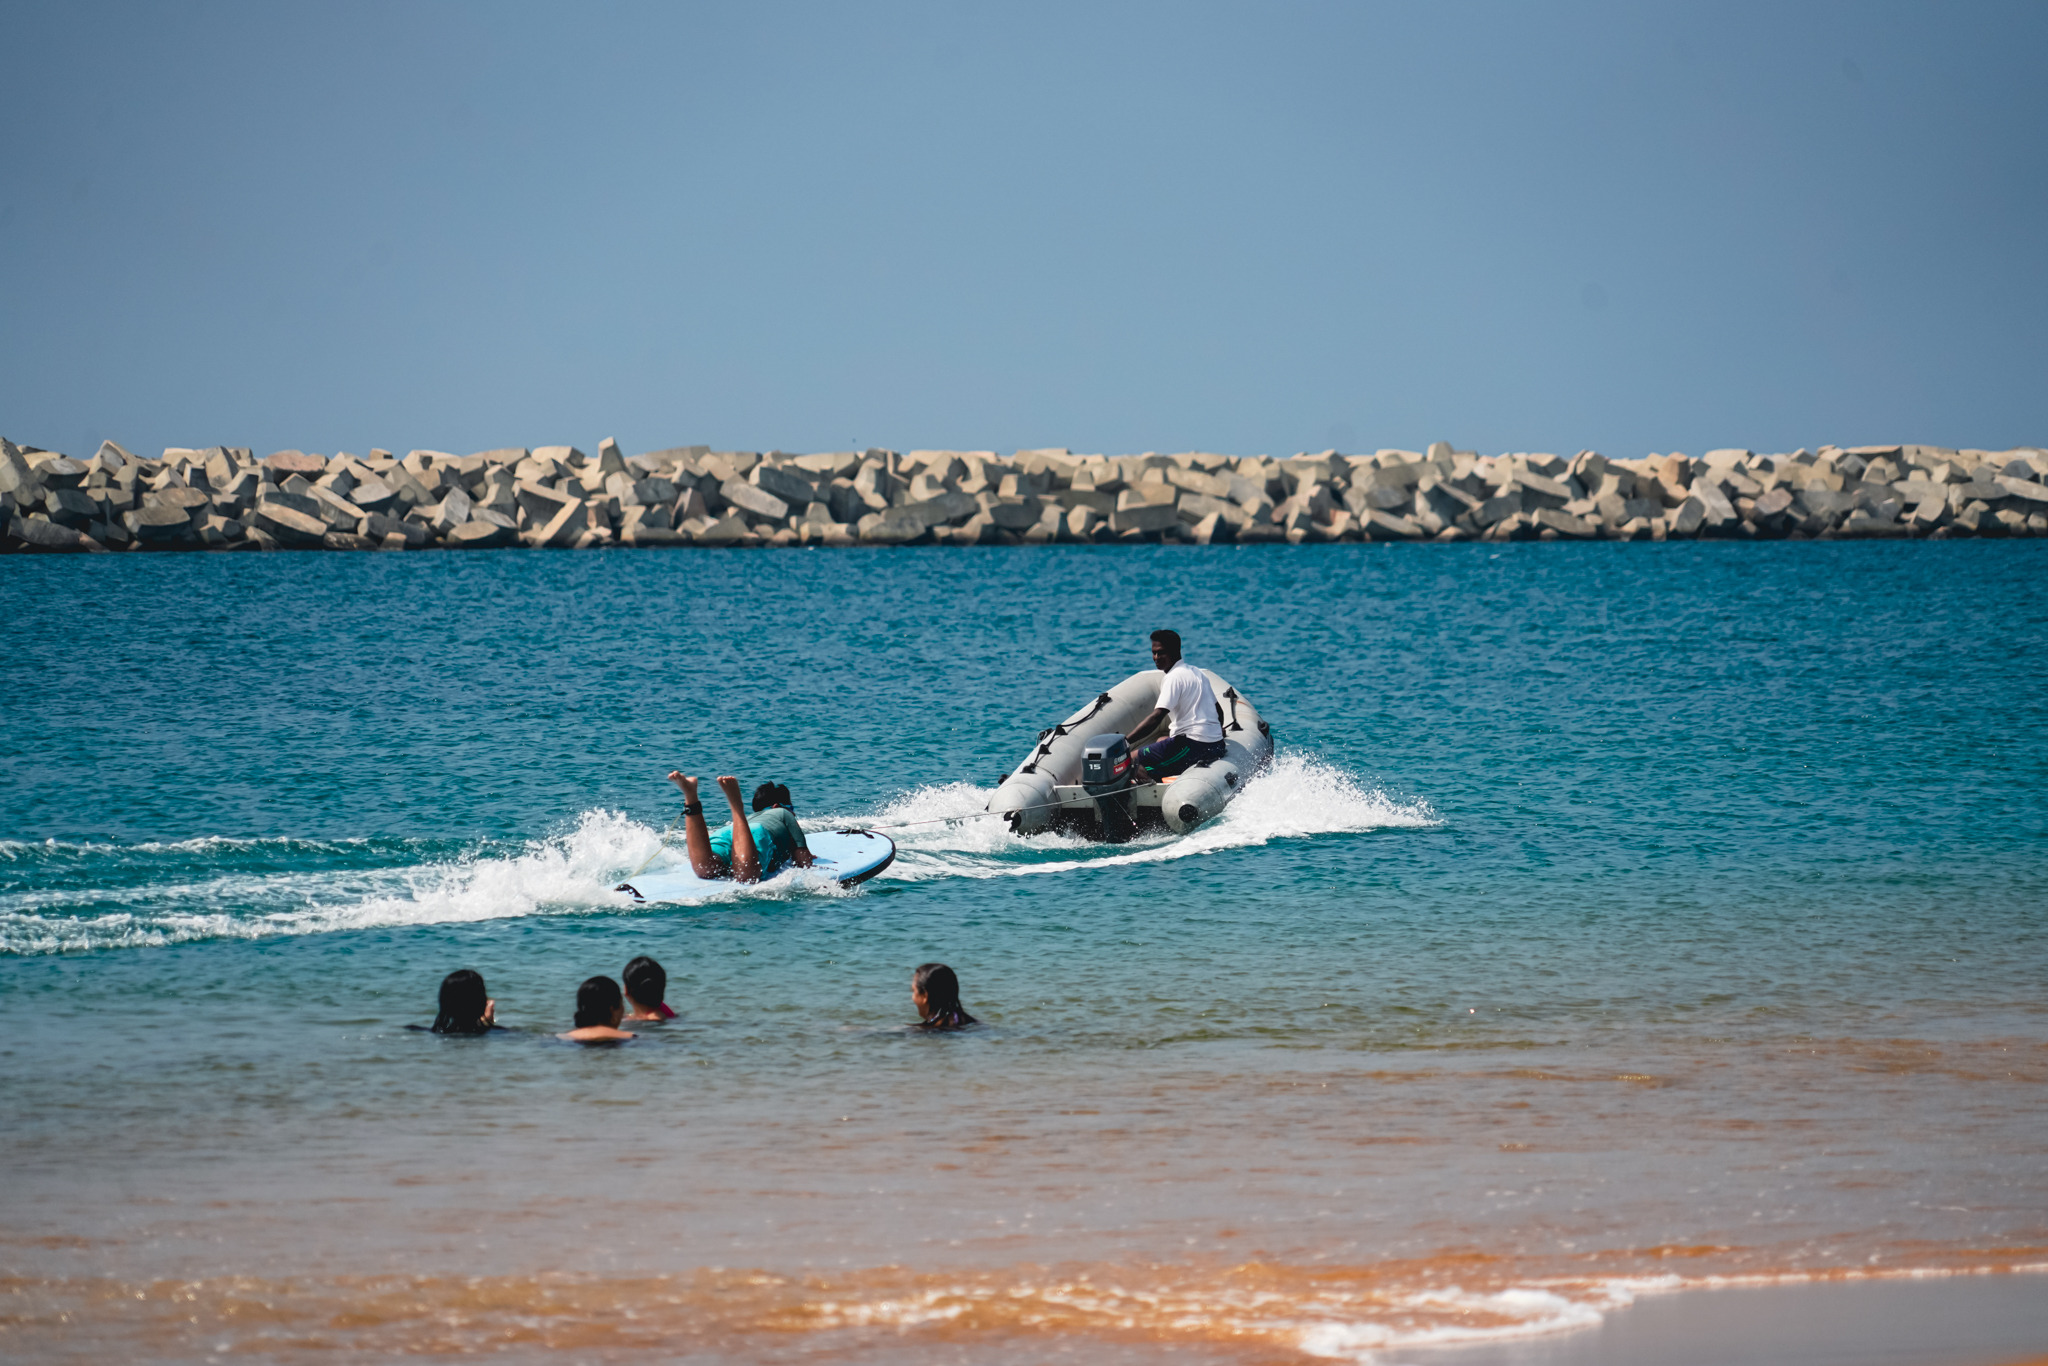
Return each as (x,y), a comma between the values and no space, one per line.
(1995,1320)
(1975,1320)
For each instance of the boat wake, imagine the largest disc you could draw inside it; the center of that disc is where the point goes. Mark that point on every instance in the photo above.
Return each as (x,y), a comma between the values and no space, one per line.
(58,897)
(945,830)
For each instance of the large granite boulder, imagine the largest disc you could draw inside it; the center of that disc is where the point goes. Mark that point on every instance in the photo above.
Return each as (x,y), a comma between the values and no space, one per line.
(283,463)
(292,526)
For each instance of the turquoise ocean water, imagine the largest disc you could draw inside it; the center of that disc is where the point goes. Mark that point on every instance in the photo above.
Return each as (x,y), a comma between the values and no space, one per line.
(1614,918)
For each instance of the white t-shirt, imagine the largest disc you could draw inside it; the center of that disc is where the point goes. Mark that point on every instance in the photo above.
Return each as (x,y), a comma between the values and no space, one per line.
(1190,702)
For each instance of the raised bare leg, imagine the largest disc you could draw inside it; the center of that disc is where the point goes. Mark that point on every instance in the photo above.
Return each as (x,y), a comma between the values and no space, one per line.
(746,857)
(696,834)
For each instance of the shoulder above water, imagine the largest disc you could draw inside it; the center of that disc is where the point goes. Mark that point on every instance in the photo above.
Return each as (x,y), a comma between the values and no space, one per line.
(596,1034)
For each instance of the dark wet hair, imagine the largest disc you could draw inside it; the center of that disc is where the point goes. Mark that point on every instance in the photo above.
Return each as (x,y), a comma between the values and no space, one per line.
(1171,638)
(646,981)
(941,995)
(771,794)
(596,999)
(463,999)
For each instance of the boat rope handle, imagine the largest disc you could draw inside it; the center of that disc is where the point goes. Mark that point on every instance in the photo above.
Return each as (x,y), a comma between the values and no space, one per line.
(1066,727)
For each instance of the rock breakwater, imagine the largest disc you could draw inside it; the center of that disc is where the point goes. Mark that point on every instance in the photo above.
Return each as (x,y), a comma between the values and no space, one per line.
(224,498)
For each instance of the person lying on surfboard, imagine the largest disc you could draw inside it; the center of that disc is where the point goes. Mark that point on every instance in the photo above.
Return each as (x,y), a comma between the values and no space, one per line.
(748,849)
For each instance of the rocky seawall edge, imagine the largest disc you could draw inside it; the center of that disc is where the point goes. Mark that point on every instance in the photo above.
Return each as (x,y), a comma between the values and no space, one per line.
(224,498)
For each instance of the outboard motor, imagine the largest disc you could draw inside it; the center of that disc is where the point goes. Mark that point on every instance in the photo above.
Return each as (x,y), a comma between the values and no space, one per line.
(1106,776)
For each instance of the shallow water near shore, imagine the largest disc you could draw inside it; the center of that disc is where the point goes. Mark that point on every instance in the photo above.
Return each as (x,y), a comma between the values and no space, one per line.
(1614,918)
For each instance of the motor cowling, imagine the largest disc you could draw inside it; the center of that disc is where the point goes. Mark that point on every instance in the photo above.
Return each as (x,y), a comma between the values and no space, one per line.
(1106,776)
(1106,765)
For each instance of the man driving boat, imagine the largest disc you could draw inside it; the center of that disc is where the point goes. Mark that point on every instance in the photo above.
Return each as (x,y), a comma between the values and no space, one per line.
(1187,711)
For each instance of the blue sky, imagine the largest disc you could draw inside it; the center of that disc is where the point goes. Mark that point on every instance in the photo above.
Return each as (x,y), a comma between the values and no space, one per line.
(1114,227)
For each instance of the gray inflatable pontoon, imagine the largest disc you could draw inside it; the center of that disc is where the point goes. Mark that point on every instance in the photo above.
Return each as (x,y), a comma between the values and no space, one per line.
(1077,777)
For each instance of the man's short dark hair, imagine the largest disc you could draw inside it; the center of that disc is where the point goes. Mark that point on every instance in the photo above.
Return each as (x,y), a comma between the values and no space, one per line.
(1168,638)
(771,795)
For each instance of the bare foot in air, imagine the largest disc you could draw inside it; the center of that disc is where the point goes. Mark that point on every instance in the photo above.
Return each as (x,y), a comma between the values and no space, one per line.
(730,786)
(687,784)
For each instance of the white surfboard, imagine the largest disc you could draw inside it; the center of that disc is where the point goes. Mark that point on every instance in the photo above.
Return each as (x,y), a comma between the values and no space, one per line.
(846,856)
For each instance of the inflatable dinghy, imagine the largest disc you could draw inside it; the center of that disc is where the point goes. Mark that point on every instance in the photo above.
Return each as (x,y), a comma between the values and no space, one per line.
(846,856)
(1078,777)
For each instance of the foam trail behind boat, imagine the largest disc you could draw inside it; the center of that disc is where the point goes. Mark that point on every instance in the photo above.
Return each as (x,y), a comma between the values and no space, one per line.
(1296,796)
(128,896)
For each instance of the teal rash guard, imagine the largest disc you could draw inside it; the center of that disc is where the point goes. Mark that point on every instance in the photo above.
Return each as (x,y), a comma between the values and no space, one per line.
(776,834)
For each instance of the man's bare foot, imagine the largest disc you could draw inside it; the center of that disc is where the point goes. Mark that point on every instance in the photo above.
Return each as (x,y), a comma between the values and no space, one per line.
(686,783)
(730,786)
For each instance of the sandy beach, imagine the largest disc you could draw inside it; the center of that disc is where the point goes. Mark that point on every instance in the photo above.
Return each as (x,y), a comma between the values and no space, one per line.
(1996,1320)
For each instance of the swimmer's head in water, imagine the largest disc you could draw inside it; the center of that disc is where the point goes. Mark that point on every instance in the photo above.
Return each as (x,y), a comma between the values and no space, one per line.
(937,993)
(599,1003)
(463,999)
(646,982)
(771,795)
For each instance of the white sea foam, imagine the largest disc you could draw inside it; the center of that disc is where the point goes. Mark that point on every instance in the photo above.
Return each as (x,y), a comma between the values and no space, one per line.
(946,831)
(941,831)
(1451,1317)
(571,872)
(575,871)
(1324,1318)
(17,850)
